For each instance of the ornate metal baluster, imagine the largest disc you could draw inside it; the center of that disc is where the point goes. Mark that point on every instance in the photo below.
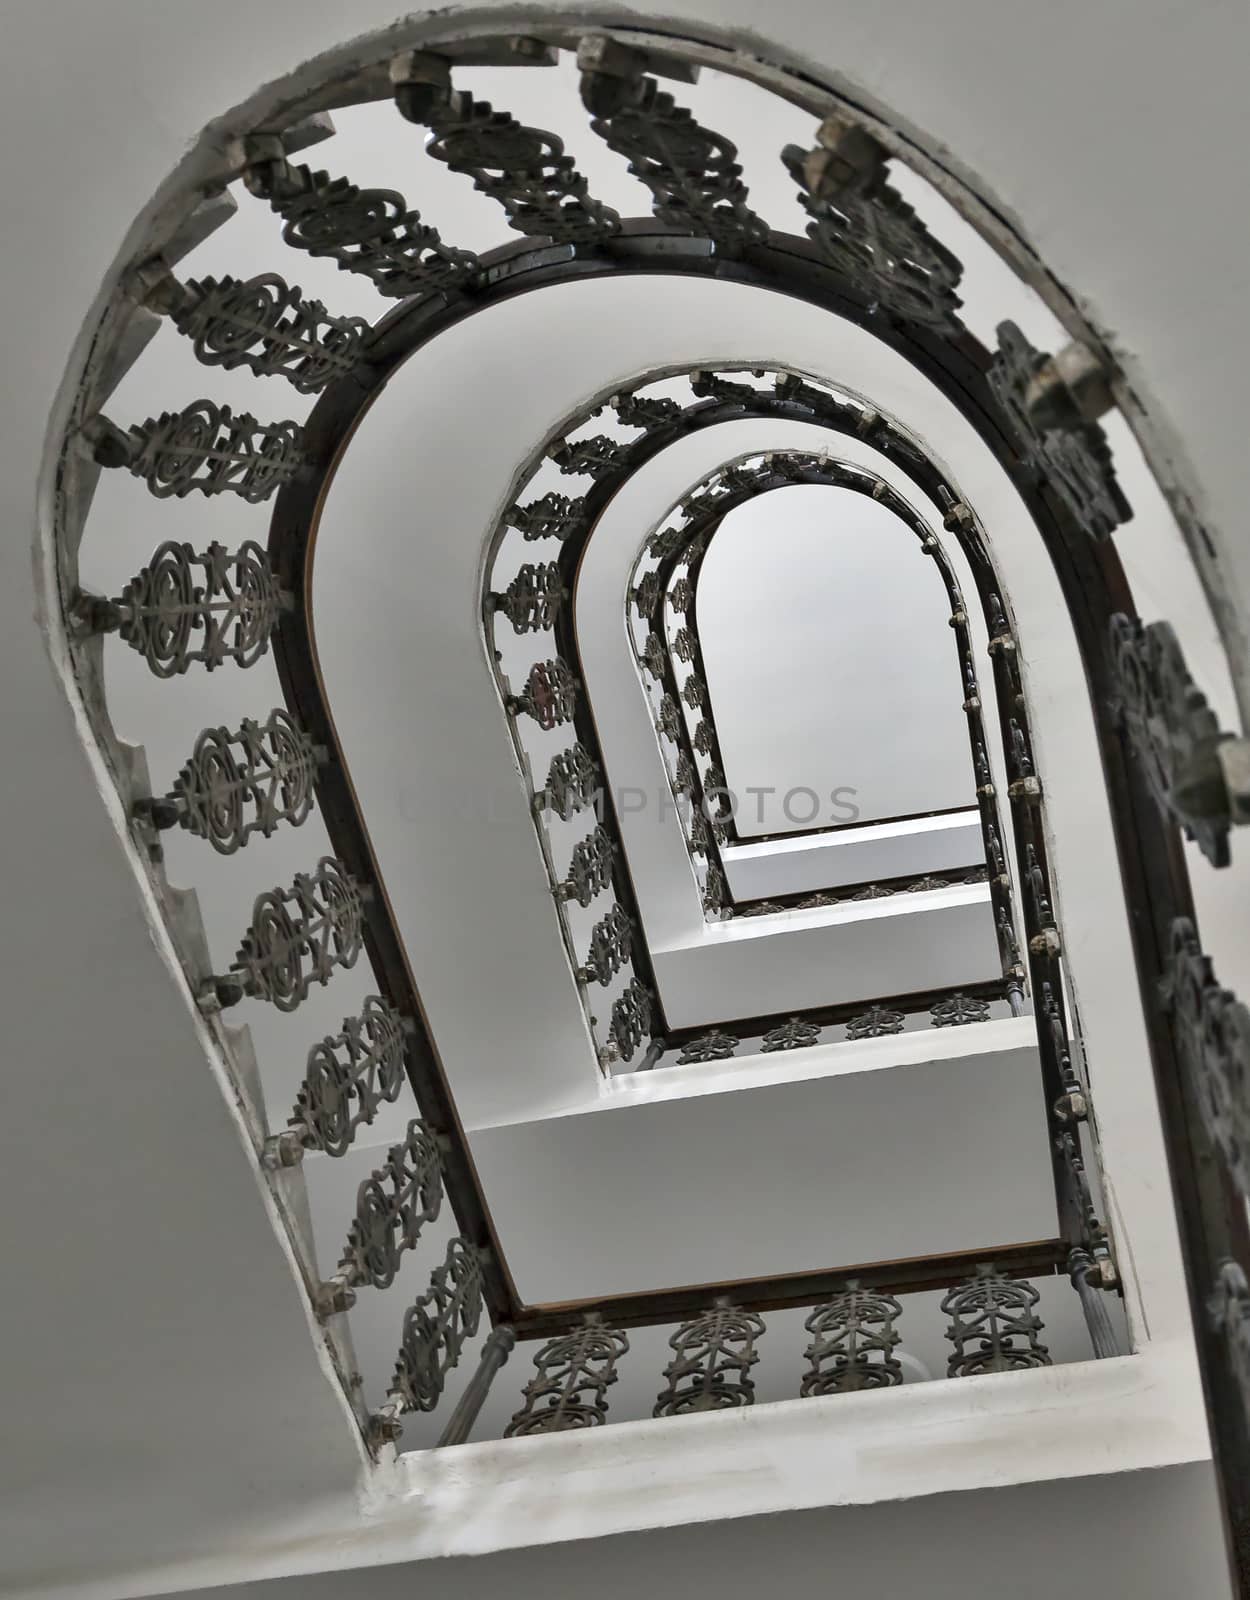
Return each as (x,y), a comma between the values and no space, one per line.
(813,902)
(1229,1311)
(694,693)
(648,595)
(957,1009)
(596,457)
(668,719)
(549,696)
(525,169)
(236,607)
(573,783)
(204,447)
(1046,940)
(713,1354)
(873,891)
(1025,784)
(921,885)
(630,1020)
(794,1034)
(393,1205)
(681,596)
(1211,1029)
(575,1370)
(874,1023)
(684,776)
(590,869)
(693,174)
(869,233)
(993,1327)
(1074,463)
(298,937)
(645,411)
(762,908)
(1193,768)
(263,323)
(703,739)
(226,798)
(654,656)
(684,645)
(711,1046)
(533,599)
(716,896)
(853,1344)
(368,231)
(611,942)
(348,1077)
(554,516)
(436,1329)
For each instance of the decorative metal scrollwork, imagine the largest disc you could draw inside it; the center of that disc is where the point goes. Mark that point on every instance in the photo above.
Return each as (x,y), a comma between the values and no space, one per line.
(1211,1028)
(204,447)
(349,1076)
(795,1034)
(596,457)
(554,516)
(813,902)
(692,173)
(631,1020)
(524,169)
(959,1008)
(684,776)
(681,596)
(711,1046)
(369,231)
(1174,733)
(573,782)
(299,936)
(684,645)
(919,885)
(532,600)
(437,1327)
(668,719)
(873,891)
(694,693)
(654,657)
(993,1327)
(1229,1310)
(703,739)
(226,797)
(875,1023)
(590,869)
(716,896)
(713,1355)
(393,1204)
(1073,462)
(762,908)
(575,1370)
(700,832)
(611,941)
(648,594)
(235,607)
(645,411)
(266,325)
(853,1344)
(549,696)
(877,241)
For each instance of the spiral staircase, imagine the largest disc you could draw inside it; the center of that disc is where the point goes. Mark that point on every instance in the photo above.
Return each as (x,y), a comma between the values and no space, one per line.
(624,768)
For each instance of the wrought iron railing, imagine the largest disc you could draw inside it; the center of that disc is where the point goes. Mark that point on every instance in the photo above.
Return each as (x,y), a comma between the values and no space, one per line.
(869,259)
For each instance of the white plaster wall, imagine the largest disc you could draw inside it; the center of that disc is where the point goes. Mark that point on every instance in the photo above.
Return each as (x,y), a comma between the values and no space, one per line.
(1151,1535)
